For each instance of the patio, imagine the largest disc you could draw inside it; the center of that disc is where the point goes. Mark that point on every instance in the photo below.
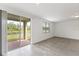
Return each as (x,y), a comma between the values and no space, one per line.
(17,44)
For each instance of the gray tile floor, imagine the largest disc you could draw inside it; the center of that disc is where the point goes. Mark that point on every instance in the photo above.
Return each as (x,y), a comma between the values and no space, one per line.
(51,47)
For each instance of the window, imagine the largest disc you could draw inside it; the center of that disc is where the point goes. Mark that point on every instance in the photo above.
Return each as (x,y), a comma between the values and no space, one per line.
(46,27)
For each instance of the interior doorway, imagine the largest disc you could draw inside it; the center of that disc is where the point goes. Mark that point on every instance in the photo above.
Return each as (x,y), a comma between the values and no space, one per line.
(19,34)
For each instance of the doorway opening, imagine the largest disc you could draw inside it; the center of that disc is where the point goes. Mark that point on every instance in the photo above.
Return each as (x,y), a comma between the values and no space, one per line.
(19,34)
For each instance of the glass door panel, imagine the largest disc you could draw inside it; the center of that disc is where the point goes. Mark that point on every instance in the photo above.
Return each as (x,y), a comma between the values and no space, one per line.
(13,29)
(25,33)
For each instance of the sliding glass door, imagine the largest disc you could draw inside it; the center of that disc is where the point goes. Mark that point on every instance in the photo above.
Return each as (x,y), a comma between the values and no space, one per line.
(19,34)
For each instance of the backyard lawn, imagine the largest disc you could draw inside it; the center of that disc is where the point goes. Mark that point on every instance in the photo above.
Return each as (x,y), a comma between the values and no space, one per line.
(13,36)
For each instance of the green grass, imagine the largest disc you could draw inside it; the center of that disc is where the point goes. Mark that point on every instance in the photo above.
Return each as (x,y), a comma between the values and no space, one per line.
(14,37)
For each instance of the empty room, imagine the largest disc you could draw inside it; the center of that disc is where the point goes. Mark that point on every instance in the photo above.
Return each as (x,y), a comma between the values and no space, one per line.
(39,29)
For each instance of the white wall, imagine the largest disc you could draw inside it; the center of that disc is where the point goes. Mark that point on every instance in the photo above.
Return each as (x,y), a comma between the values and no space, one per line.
(68,29)
(37,33)
(3,33)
